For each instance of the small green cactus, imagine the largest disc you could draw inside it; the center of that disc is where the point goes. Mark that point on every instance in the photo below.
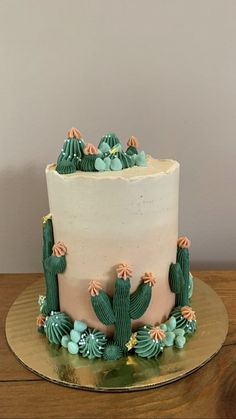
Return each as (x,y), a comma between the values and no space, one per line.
(71,153)
(179,277)
(111,139)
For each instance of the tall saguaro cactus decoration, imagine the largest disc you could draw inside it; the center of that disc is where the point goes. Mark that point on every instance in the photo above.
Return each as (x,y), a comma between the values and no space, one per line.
(54,262)
(71,153)
(179,273)
(124,306)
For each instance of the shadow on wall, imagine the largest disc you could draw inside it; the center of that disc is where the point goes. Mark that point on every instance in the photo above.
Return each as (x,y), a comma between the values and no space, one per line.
(23,204)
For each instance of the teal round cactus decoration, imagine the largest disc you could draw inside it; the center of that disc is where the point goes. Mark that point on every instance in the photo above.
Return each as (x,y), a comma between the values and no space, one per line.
(123,306)
(54,262)
(150,341)
(185,319)
(111,139)
(56,326)
(112,351)
(71,152)
(92,343)
(179,278)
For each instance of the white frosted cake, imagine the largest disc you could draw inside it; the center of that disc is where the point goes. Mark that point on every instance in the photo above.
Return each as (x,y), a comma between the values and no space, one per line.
(114,267)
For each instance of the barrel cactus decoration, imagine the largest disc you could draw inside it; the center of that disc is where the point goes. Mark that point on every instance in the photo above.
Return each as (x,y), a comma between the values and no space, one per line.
(54,262)
(124,306)
(57,325)
(112,352)
(71,153)
(185,319)
(92,344)
(89,158)
(111,139)
(179,276)
(132,145)
(150,341)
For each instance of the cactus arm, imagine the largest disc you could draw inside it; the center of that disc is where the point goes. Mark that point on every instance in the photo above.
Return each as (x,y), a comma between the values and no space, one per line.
(176,278)
(121,308)
(139,300)
(103,308)
(183,260)
(55,264)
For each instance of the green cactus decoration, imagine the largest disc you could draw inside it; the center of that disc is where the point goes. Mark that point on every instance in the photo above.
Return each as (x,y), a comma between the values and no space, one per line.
(111,139)
(92,344)
(56,326)
(112,352)
(54,262)
(87,163)
(71,153)
(123,307)
(185,319)
(179,273)
(125,159)
(132,146)
(150,341)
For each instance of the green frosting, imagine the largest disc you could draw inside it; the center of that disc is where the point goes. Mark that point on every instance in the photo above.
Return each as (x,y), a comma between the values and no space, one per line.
(111,139)
(87,163)
(56,326)
(146,347)
(112,351)
(180,341)
(122,308)
(51,265)
(100,165)
(131,150)
(72,151)
(92,343)
(125,160)
(140,159)
(189,326)
(179,278)
(66,167)
(116,164)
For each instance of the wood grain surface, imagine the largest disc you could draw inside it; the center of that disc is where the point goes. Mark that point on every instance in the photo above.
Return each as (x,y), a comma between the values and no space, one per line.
(210,392)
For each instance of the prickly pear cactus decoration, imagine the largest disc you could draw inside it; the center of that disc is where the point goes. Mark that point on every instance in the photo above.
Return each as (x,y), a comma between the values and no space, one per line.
(56,326)
(150,341)
(123,306)
(89,159)
(92,344)
(54,262)
(179,273)
(185,319)
(71,153)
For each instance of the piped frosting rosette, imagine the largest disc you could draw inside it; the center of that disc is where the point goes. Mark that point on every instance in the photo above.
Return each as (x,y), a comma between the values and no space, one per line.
(92,343)
(57,325)
(185,319)
(150,341)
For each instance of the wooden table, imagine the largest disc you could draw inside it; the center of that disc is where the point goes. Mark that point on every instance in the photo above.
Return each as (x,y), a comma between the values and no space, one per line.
(208,393)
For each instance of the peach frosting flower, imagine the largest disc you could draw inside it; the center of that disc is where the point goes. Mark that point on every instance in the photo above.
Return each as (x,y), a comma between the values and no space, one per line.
(90,149)
(124,271)
(74,133)
(149,278)
(94,287)
(59,249)
(132,141)
(41,320)
(188,313)
(157,333)
(183,242)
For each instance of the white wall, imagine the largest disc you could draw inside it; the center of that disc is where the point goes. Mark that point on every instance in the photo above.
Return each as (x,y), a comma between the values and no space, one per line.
(164,70)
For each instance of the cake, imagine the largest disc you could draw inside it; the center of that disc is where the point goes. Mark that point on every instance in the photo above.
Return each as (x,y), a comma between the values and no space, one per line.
(116,274)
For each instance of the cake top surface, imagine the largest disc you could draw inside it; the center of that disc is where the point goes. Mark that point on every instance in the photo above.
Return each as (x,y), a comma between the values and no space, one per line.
(153,167)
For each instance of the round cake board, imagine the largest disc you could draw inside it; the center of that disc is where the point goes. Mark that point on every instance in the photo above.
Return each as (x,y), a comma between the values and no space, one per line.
(130,373)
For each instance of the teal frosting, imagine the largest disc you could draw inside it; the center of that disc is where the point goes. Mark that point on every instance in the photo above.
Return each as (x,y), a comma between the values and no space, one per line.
(112,351)
(131,150)
(169,338)
(75,335)
(116,164)
(171,324)
(66,167)
(147,347)
(80,326)
(88,163)
(100,165)
(73,348)
(125,159)
(104,148)
(180,341)
(65,340)
(111,139)
(92,343)
(56,326)
(140,159)
(72,151)
(189,326)
(107,161)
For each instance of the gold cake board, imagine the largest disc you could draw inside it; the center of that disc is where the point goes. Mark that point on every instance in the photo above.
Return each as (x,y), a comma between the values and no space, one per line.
(130,373)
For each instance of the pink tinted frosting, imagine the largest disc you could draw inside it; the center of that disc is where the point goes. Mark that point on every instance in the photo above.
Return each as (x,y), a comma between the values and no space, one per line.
(94,287)
(188,313)
(90,149)
(74,133)
(124,271)
(157,333)
(133,141)
(149,278)
(59,249)
(183,242)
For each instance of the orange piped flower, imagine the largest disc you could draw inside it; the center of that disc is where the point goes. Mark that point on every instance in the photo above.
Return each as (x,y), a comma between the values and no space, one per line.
(94,287)
(59,249)
(90,149)
(157,333)
(74,133)
(188,313)
(40,320)
(149,278)
(183,242)
(124,271)
(133,142)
